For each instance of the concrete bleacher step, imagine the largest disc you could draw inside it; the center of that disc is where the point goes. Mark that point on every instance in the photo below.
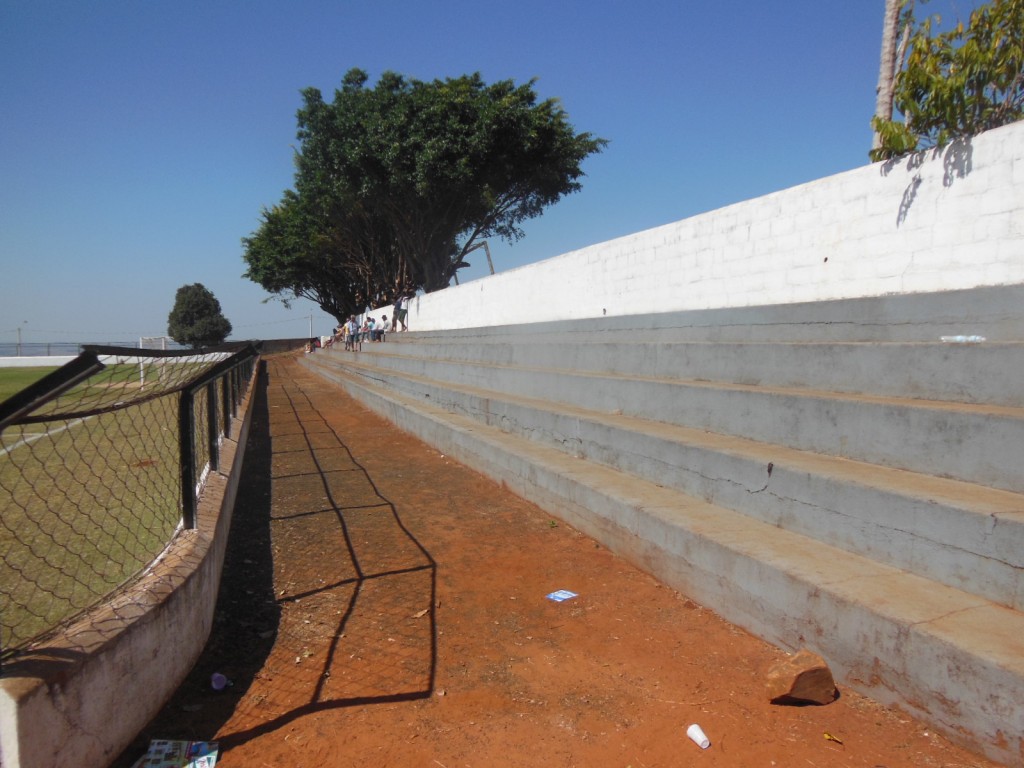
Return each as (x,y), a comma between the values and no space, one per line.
(896,432)
(961,373)
(964,535)
(993,312)
(954,658)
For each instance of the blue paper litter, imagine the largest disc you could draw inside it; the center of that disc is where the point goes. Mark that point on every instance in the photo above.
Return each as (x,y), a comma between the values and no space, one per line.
(560,595)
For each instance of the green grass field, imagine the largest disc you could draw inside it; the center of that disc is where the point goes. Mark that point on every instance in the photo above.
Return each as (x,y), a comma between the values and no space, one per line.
(13,380)
(85,504)
(90,491)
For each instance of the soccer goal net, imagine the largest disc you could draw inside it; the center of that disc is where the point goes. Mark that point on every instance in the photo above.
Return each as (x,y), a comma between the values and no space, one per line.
(156,342)
(153,366)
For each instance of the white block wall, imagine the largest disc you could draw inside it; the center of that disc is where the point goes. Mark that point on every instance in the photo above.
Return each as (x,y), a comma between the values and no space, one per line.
(35,362)
(936,221)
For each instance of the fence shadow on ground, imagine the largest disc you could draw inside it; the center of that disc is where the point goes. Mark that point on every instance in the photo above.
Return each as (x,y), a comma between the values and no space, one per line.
(246,618)
(327,600)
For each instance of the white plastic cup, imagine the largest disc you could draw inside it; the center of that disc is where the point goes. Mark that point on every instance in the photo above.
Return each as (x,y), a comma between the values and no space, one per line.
(696,734)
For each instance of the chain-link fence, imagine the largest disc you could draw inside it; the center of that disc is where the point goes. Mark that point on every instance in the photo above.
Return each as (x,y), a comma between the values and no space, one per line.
(101,463)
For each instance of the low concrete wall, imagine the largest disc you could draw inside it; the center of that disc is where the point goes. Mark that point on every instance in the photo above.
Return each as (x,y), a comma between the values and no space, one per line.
(46,361)
(77,700)
(273,346)
(935,221)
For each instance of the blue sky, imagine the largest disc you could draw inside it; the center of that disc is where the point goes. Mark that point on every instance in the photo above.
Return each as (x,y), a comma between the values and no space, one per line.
(141,138)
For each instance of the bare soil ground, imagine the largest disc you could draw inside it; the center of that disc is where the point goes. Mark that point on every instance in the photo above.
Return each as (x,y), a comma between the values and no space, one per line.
(383,605)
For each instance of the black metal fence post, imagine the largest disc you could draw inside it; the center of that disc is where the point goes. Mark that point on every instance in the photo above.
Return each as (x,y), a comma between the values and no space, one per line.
(186,442)
(227,403)
(212,431)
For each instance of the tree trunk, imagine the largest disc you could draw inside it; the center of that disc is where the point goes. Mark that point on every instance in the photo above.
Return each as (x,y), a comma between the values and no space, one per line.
(888,65)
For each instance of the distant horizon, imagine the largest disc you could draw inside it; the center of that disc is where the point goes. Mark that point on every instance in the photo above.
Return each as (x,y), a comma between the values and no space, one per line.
(31,336)
(72,348)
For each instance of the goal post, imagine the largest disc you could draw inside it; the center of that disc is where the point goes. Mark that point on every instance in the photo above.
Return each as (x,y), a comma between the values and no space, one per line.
(151,342)
(155,342)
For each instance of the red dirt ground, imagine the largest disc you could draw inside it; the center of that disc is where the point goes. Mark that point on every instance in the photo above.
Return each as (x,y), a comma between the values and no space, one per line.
(383,605)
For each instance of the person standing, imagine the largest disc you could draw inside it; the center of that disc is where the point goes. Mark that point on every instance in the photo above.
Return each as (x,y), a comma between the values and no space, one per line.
(353,332)
(402,309)
(399,310)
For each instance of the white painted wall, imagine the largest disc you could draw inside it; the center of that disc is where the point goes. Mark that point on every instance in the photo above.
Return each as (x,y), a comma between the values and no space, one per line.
(35,362)
(934,221)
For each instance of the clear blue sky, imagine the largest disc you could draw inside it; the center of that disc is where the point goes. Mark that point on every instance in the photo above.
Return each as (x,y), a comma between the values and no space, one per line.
(141,138)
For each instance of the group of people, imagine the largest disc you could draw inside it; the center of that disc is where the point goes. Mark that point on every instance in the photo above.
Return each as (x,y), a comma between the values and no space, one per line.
(352,334)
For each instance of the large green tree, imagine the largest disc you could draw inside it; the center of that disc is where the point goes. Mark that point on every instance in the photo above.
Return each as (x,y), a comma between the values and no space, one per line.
(957,83)
(397,183)
(196,319)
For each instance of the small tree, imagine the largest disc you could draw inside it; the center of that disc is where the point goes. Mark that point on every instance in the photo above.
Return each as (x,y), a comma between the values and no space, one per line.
(196,320)
(959,83)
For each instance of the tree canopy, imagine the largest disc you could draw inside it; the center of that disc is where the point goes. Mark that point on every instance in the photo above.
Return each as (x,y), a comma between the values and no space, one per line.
(958,83)
(196,319)
(397,183)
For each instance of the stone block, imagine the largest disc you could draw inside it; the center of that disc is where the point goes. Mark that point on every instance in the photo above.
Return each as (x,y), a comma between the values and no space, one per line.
(803,678)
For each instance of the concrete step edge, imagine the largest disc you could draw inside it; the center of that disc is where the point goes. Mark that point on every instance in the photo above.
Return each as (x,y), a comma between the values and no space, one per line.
(985,433)
(993,409)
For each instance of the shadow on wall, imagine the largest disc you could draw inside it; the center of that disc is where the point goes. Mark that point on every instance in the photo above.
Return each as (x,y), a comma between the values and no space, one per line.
(957,163)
